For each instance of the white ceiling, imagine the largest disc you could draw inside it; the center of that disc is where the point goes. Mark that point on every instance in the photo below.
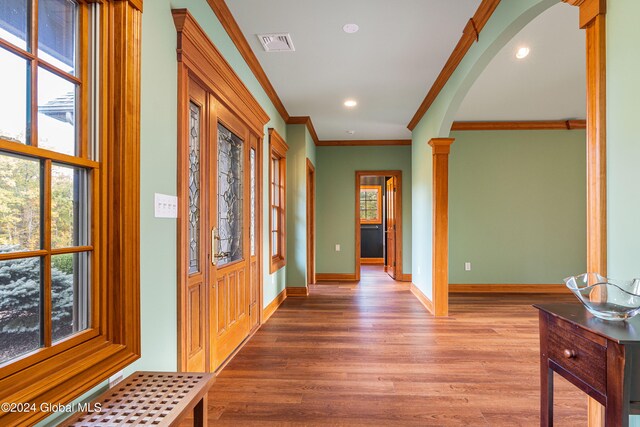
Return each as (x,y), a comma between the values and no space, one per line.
(549,84)
(388,66)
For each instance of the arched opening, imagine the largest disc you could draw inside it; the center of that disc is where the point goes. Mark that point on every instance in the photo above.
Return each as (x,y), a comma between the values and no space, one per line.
(507,20)
(517,198)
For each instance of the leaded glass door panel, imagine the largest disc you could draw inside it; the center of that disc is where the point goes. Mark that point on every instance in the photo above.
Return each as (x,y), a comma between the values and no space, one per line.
(195,258)
(230,197)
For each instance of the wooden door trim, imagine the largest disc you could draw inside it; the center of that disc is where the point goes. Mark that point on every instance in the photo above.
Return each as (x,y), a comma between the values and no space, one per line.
(203,59)
(311,223)
(259,228)
(398,175)
(199,59)
(593,21)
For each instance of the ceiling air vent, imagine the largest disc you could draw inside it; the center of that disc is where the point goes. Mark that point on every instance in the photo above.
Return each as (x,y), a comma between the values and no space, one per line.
(280,42)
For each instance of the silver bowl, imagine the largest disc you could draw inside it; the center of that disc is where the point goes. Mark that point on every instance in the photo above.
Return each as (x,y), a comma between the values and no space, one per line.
(608,299)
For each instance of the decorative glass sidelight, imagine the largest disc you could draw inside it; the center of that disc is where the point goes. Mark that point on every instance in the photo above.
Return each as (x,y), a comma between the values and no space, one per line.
(230,177)
(252,226)
(194,188)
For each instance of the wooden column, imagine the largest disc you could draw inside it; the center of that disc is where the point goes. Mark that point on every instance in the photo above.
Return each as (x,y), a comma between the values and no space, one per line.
(596,147)
(441,148)
(596,165)
(592,20)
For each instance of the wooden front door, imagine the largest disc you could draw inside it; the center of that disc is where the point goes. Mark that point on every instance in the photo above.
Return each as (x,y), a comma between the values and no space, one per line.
(221,174)
(229,217)
(390,207)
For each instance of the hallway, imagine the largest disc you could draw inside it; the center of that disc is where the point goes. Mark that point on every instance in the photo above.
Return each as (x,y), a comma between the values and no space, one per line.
(375,275)
(369,354)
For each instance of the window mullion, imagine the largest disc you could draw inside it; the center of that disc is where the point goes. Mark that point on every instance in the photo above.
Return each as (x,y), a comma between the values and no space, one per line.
(82,58)
(46,264)
(32,82)
(59,72)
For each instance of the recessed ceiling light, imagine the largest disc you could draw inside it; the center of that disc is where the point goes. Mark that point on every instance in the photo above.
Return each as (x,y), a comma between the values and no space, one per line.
(522,53)
(351,132)
(350,28)
(350,103)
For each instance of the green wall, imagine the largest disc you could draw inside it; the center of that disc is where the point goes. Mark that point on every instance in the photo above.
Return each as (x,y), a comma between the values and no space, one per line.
(623,146)
(336,187)
(623,142)
(507,20)
(301,147)
(517,206)
(159,175)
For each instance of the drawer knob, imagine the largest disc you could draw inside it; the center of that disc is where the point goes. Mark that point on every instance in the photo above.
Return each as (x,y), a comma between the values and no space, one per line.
(570,354)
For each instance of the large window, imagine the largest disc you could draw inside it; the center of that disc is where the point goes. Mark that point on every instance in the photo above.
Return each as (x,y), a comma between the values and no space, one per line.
(60,196)
(277,200)
(46,249)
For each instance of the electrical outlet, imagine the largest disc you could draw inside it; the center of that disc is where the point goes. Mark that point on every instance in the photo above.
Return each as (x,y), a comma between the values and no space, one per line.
(467,266)
(165,206)
(337,247)
(115,378)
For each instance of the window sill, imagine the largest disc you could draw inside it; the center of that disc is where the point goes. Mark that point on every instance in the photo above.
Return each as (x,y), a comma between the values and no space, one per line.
(277,263)
(62,378)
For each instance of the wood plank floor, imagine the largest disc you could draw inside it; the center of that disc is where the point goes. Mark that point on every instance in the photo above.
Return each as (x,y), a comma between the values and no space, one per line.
(369,354)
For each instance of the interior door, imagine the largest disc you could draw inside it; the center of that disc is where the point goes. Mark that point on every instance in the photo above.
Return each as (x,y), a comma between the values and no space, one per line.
(229,217)
(391,188)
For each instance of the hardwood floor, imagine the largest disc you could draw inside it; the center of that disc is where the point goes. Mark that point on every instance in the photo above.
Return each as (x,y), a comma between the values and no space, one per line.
(369,354)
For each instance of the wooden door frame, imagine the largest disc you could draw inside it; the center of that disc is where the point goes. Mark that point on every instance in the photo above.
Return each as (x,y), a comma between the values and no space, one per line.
(259,224)
(198,58)
(400,276)
(311,223)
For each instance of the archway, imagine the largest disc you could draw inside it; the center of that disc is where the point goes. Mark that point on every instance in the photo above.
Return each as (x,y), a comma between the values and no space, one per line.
(429,192)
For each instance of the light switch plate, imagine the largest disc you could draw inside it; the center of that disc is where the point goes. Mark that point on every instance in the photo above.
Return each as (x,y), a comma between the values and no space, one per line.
(467,266)
(337,247)
(165,206)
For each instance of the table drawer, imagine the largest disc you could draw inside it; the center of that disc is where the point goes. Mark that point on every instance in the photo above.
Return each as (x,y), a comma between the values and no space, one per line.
(585,359)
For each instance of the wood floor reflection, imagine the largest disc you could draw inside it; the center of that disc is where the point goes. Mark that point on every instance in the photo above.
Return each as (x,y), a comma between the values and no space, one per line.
(369,354)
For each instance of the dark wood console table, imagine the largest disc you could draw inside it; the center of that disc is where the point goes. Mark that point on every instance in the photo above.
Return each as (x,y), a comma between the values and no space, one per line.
(149,398)
(599,357)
